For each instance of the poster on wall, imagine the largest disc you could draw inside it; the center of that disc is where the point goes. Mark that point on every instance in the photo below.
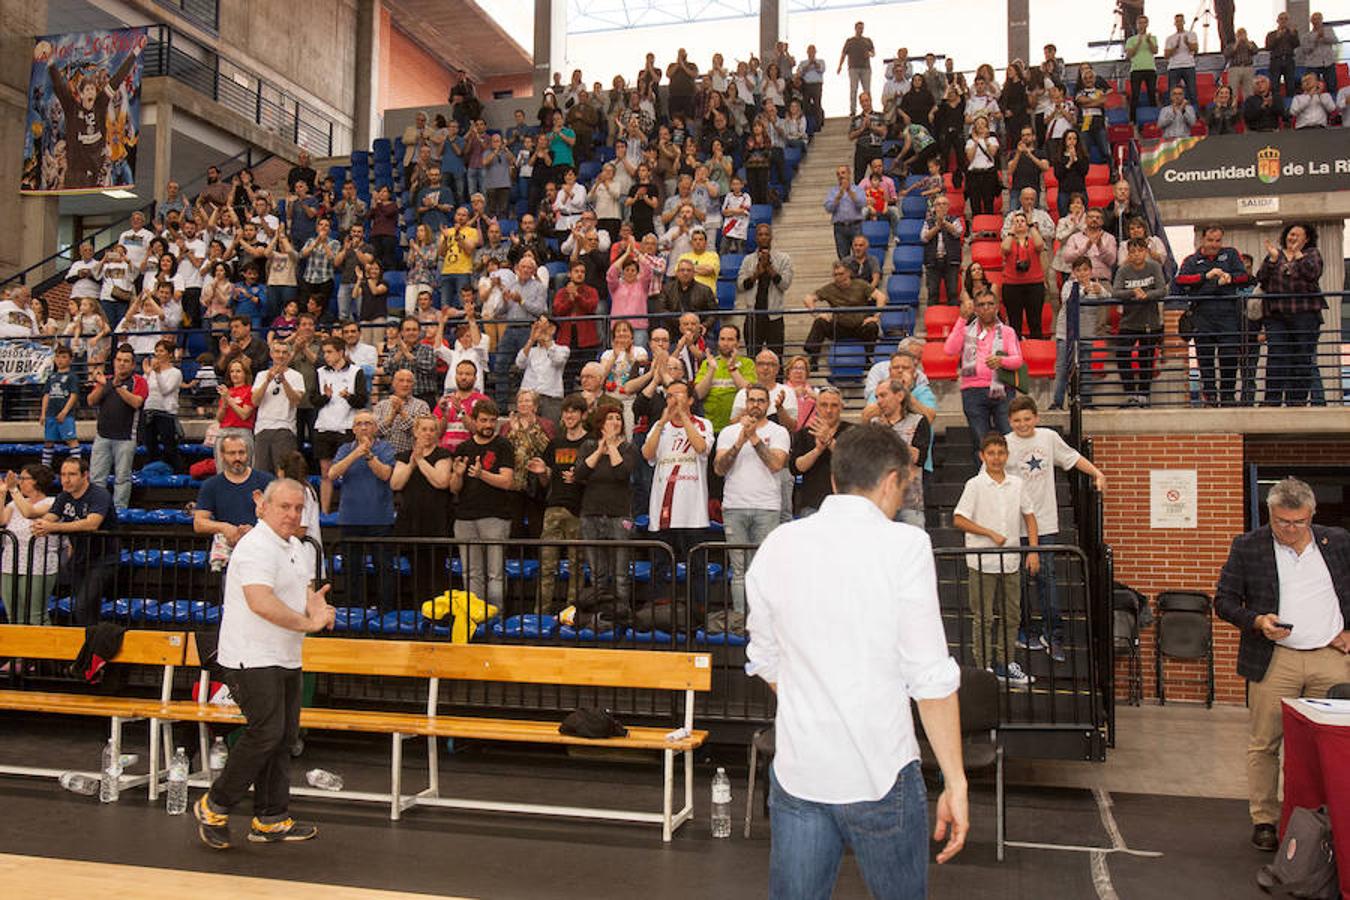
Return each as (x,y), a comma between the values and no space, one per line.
(1172,498)
(1302,161)
(84,112)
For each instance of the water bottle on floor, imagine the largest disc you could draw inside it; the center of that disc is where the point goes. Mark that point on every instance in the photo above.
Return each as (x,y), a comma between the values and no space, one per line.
(79,783)
(721,804)
(219,754)
(176,800)
(324,780)
(110,774)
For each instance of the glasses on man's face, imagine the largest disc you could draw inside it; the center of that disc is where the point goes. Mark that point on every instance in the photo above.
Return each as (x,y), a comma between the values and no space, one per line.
(1290,524)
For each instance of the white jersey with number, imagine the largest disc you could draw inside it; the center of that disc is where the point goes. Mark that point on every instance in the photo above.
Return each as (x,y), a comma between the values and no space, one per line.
(680,480)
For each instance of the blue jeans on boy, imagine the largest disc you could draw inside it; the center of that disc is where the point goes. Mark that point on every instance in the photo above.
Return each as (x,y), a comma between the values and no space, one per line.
(1052,623)
(889,839)
(985,412)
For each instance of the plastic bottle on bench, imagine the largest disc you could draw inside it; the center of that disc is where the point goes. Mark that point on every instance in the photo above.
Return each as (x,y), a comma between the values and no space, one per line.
(176,800)
(217,758)
(110,774)
(721,804)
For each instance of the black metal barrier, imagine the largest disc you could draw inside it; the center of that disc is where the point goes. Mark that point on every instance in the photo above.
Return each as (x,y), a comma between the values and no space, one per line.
(494,591)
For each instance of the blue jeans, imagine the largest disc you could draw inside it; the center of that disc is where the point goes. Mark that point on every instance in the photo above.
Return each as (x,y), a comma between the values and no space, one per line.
(889,839)
(985,413)
(1063,365)
(450,287)
(1096,136)
(1217,347)
(844,233)
(474,178)
(113,456)
(1052,623)
(1291,356)
(745,526)
(508,345)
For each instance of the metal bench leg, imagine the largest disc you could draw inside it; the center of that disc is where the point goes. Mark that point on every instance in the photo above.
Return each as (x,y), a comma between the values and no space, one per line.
(433,768)
(666,794)
(396,778)
(750,787)
(154,759)
(998,801)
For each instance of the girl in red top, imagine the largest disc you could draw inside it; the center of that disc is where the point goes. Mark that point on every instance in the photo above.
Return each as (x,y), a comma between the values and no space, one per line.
(1023,277)
(236,411)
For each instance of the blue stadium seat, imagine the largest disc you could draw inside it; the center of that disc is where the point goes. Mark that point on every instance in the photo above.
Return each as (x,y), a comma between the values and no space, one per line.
(877,232)
(1117,115)
(1146,115)
(914,206)
(902,290)
(726,294)
(556,268)
(397,281)
(898,319)
(760,212)
(730,266)
(792,156)
(848,359)
(907,259)
(587,171)
(908,232)
(878,255)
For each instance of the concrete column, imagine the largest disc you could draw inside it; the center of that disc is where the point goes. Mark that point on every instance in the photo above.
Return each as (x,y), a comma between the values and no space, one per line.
(770,25)
(366,125)
(163,148)
(543,45)
(36,217)
(1019,31)
(1298,14)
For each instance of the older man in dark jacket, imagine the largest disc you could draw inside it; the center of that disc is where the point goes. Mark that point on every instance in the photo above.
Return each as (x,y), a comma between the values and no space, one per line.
(1286,586)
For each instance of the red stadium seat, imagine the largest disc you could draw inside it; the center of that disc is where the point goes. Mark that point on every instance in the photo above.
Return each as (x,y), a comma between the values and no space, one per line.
(1117,134)
(1098,173)
(988,254)
(995,275)
(1048,318)
(1039,357)
(1100,195)
(1199,129)
(956,203)
(937,365)
(1151,131)
(1050,179)
(986,222)
(938,322)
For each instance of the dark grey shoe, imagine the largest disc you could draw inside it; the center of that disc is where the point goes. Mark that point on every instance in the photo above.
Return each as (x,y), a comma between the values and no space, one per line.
(1265,837)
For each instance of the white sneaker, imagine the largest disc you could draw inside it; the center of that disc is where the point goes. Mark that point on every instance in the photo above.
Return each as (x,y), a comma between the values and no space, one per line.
(1012,674)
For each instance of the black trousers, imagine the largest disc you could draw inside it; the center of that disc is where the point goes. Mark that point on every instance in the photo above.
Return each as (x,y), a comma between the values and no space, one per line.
(1143,80)
(764,331)
(811,91)
(160,437)
(833,329)
(269,697)
(981,190)
(1025,300)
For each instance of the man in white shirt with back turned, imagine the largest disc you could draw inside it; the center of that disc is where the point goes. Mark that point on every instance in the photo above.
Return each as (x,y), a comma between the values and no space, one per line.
(269,608)
(846,769)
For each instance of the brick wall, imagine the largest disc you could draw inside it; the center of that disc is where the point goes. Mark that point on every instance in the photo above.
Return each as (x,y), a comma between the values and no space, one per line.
(1152,560)
(409,76)
(1307,451)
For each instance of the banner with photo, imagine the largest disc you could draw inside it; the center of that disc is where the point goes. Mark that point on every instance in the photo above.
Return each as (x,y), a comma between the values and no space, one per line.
(84,112)
(24,362)
(1303,161)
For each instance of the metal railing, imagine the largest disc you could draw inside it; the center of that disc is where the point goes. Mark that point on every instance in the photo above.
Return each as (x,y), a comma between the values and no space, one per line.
(415,589)
(1242,363)
(238,88)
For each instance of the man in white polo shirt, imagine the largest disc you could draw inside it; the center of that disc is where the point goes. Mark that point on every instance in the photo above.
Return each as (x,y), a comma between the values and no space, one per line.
(277,393)
(751,451)
(846,769)
(269,607)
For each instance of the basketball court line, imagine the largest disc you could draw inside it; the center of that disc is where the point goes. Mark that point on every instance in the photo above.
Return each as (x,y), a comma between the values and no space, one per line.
(35,877)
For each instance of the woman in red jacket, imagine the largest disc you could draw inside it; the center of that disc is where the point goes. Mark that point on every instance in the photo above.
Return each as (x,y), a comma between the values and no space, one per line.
(1023,277)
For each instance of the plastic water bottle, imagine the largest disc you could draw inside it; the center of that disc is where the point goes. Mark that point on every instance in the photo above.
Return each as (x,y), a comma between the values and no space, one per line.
(216,760)
(176,800)
(721,804)
(127,760)
(110,775)
(324,780)
(79,783)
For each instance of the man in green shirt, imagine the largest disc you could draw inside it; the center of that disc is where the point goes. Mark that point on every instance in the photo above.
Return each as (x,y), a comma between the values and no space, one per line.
(846,292)
(721,376)
(1140,50)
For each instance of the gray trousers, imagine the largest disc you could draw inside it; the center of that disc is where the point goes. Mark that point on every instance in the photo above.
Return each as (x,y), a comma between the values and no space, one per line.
(271,446)
(484,566)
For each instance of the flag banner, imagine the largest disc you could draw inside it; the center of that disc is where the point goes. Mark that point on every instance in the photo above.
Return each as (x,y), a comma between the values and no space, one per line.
(84,112)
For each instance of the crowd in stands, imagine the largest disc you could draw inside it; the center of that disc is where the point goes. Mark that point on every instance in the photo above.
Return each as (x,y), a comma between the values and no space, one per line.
(567,329)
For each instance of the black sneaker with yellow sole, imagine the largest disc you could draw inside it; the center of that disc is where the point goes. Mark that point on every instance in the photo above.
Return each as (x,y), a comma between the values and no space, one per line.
(212,827)
(285,830)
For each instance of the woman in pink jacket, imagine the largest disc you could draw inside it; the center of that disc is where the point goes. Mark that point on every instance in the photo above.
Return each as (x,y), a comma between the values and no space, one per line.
(984,346)
(629,284)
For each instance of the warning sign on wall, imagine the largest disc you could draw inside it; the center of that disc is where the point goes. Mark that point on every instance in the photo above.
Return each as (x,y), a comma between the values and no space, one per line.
(1172,498)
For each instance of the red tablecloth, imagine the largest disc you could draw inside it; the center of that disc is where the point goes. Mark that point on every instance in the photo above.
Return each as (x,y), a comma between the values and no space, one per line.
(1317,773)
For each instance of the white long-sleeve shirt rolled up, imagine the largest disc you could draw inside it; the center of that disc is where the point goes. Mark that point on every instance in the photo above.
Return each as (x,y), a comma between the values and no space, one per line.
(843,618)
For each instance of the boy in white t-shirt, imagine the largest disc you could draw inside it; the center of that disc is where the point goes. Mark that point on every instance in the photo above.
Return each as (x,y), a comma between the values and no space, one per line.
(677,448)
(735,218)
(993,508)
(1033,455)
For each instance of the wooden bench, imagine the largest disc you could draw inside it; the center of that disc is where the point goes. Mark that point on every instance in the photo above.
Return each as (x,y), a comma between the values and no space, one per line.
(151,648)
(433,661)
